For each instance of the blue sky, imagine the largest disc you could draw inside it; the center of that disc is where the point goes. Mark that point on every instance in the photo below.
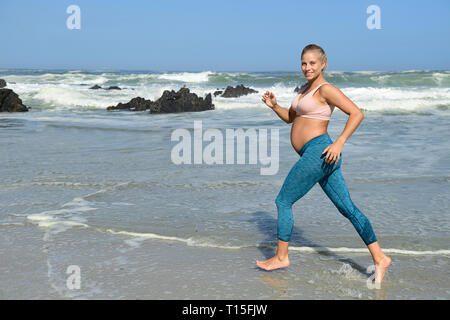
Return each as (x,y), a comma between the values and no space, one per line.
(230,35)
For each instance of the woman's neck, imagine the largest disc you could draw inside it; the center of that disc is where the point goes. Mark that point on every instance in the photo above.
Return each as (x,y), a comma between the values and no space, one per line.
(315,82)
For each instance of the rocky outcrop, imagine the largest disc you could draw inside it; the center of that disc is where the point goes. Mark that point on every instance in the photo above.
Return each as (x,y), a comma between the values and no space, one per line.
(113,88)
(109,88)
(299,89)
(240,90)
(10,102)
(181,101)
(135,104)
(169,102)
(2,83)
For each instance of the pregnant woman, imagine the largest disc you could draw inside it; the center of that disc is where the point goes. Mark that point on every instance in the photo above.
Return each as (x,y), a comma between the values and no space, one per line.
(320,158)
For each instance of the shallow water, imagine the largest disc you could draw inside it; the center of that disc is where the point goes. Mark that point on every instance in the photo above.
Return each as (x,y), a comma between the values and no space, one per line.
(83,186)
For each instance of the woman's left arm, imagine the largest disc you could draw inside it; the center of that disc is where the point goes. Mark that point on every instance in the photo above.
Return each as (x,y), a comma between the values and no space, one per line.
(335,97)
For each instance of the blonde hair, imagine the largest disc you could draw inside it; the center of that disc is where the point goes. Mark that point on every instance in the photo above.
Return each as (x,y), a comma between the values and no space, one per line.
(322,54)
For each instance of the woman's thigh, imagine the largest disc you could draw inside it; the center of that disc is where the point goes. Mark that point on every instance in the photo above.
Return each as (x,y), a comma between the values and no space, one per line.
(305,173)
(336,189)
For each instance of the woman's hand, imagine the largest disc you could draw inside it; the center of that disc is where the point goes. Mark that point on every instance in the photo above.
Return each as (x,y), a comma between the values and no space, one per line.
(333,152)
(269,99)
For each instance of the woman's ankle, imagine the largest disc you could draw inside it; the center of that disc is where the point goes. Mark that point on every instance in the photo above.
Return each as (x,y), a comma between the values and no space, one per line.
(282,249)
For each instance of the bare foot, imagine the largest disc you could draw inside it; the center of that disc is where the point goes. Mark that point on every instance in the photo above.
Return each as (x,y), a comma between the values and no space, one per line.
(381,268)
(273,263)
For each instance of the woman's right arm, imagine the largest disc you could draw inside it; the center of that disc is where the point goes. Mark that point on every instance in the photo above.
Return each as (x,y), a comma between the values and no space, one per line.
(285,115)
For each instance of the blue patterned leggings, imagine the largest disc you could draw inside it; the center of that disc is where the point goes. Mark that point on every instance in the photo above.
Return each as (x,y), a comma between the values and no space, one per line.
(310,169)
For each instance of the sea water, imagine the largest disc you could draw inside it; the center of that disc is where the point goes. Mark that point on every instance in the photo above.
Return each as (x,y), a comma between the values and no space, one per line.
(95,189)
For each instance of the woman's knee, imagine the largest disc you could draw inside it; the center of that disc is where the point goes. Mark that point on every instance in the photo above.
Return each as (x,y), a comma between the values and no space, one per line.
(281,201)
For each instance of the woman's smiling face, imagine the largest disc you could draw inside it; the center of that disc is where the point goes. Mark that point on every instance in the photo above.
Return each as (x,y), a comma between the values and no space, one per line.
(312,65)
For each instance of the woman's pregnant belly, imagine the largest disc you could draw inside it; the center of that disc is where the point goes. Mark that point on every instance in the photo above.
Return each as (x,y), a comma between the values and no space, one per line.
(304,129)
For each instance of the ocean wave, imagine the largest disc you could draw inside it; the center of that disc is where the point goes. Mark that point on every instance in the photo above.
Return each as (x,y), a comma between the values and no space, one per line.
(57,79)
(187,76)
(143,78)
(50,220)
(102,128)
(51,183)
(45,221)
(72,213)
(365,250)
(304,249)
(62,219)
(116,187)
(66,98)
(398,99)
(163,78)
(233,184)
(9,224)
(415,91)
(395,79)
(188,241)
(402,180)
(340,77)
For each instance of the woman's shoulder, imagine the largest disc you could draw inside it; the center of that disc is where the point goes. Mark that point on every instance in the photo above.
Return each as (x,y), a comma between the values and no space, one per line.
(328,87)
(330,92)
(324,84)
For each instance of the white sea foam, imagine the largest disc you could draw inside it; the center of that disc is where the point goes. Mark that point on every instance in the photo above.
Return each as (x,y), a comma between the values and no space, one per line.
(187,76)
(51,224)
(208,243)
(52,183)
(364,250)
(57,79)
(112,188)
(8,224)
(367,98)
(376,99)
(147,236)
(62,219)
(63,91)
(439,77)
(66,98)
(55,224)
(56,98)
(188,241)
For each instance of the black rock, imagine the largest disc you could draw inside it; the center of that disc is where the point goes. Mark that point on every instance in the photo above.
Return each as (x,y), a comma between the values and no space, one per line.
(95,87)
(2,83)
(10,102)
(240,90)
(113,88)
(297,89)
(216,93)
(135,104)
(181,101)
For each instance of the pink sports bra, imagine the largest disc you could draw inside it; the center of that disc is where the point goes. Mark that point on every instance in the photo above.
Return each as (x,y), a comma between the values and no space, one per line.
(307,108)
